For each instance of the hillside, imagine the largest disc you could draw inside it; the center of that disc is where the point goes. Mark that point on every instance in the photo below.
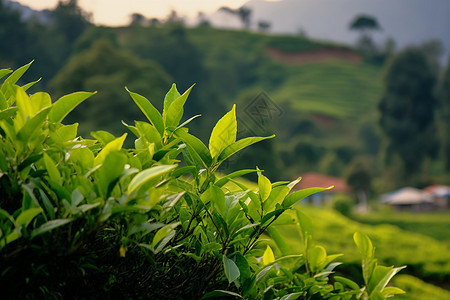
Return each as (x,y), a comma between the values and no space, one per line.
(325,78)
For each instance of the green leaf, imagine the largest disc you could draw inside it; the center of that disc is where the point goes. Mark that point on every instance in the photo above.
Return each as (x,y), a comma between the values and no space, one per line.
(296,196)
(8,113)
(174,112)
(52,170)
(14,77)
(364,245)
(380,277)
(149,111)
(196,147)
(103,137)
(32,125)
(24,105)
(39,101)
(268,256)
(27,216)
(30,84)
(223,134)
(188,121)
(110,172)
(261,273)
(376,295)
(4,72)
(277,195)
(231,269)
(82,157)
(48,226)
(68,132)
(247,227)
(391,290)
(114,145)
(64,105)
(244,267)
(170,97)
(351,284)
(3,102)
(147,175)
(271,214)
(265,187)
(131,128)
(216,196)
(163,232)
(150,133)
(239,145)
(292,296)
(219,293)
(316,258)
(224,180)
(305,223)
(213,246)
(294,183)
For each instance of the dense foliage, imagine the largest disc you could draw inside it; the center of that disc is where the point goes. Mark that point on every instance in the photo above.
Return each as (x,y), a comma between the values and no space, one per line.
(90,218)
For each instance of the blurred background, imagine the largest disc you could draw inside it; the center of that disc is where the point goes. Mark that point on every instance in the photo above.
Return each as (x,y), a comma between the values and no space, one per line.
(357,92)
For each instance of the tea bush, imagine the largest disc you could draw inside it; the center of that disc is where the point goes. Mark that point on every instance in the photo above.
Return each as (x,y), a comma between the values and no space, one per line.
(87,218)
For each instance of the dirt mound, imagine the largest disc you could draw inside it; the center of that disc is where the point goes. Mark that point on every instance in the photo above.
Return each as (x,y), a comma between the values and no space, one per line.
(319,55)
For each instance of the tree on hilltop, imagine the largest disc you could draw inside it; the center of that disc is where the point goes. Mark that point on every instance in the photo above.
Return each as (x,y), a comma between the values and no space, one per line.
(243,13)
(407,111)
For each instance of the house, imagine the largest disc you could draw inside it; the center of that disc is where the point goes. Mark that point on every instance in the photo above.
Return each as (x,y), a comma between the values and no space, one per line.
(313,179)
(409,199)
(440,195)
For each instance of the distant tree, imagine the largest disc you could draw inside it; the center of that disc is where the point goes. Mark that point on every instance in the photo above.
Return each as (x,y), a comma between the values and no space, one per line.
(365,24)
(13,37)
(154,21)
(174,18)
(444,114)
(106,69)
(244,13)
(407,110)
(70,19)
(137,19)
(203,20)
(264,25)
(359,177)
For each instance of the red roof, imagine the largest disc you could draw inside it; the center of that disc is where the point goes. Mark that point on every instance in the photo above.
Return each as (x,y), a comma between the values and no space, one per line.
(313,179)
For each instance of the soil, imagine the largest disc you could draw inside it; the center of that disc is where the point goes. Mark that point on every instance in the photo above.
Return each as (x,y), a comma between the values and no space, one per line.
(319,55)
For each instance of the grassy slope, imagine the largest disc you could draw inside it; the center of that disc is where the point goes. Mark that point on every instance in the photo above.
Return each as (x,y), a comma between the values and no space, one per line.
(332,88)
(416,289)
(435,225)
(337,89)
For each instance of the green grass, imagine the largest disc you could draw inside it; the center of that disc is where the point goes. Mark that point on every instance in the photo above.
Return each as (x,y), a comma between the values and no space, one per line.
(435,225)
(416,289)
(337,89)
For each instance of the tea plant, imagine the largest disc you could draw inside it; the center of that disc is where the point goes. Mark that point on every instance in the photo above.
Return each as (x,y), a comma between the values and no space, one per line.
(88,218)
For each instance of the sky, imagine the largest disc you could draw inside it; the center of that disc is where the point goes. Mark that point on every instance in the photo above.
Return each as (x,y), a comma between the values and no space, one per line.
(117,12)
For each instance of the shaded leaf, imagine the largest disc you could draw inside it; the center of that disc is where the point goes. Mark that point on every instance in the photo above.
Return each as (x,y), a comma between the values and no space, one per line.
(231,270)
(27,216)
(48,226)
